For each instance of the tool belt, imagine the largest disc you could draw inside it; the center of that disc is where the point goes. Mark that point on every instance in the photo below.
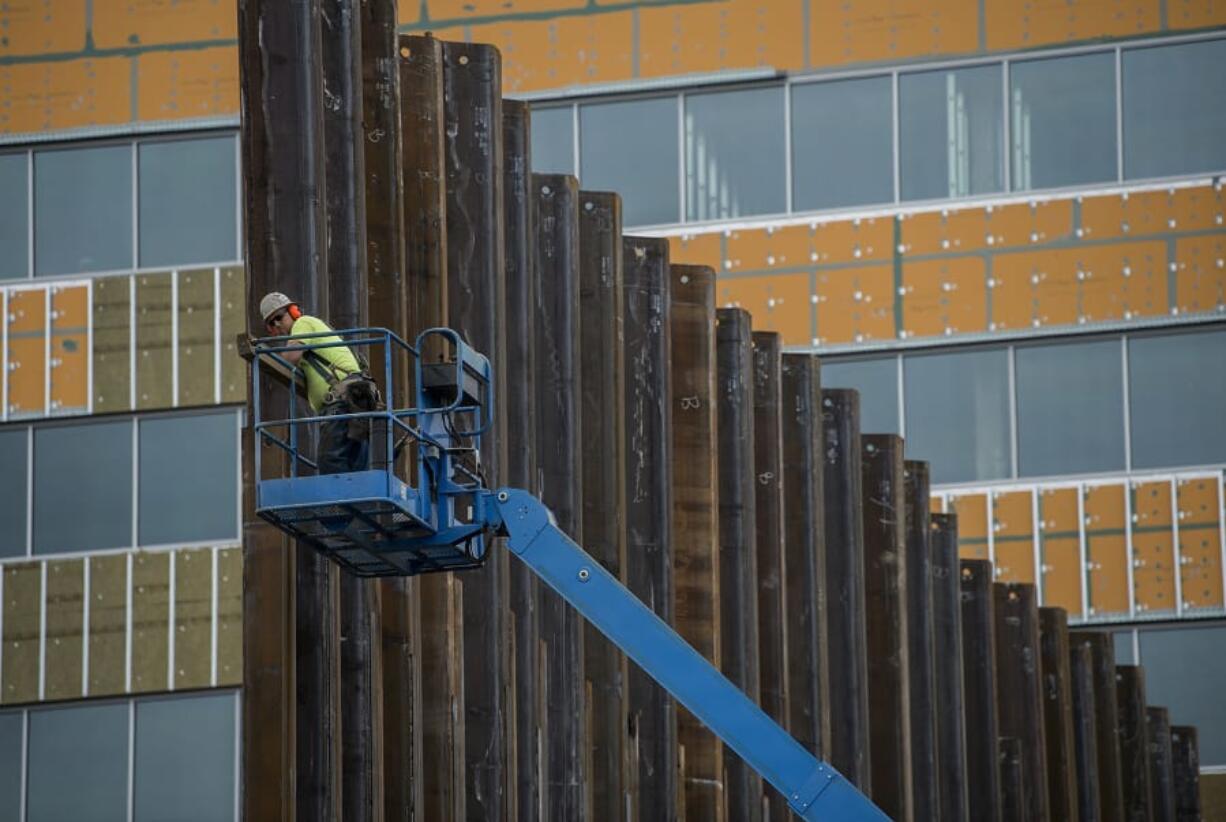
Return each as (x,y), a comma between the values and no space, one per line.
(356,390)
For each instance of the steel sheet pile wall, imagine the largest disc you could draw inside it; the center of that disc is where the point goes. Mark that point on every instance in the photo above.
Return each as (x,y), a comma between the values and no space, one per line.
(925,765)
(283,167)
(557,441)
(804,582)
(651,777)
(1058,714)
(696,519)
(687,452)
(737,518)
(948,703)
(524,751)
(476,295)
(885,585)
(603,456)
(391,691)
(848,641)
(1019,702)
(768,545)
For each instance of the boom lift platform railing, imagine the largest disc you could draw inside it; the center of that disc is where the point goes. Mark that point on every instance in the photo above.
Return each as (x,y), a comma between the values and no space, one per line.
(375,523)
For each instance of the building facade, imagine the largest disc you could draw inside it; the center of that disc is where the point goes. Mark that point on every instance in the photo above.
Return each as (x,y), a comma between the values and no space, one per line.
(1002,222)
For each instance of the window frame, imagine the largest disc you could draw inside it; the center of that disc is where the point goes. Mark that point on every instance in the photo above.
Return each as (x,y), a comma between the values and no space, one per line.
(1122,338)
(134,422)
(132,142)
(785,92)
(131,703)
(578,153)
(717,83)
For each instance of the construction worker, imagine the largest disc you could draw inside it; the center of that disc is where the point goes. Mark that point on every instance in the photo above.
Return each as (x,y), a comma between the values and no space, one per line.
(336,383)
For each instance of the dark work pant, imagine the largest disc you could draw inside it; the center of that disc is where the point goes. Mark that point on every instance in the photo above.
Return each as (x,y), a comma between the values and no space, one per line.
(338,453)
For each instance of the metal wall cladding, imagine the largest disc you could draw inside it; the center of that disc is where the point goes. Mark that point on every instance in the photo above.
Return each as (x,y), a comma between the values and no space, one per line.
(1060,545)
(779,303)
(1141,548)
(46,350)
(1153,547)
(1074,262)
(1013,536)
(148,341)
(65,94)
(124,622)
(181,59)
(68,363)
(1106,549)
(25,360)
(1200,542)
(972,512)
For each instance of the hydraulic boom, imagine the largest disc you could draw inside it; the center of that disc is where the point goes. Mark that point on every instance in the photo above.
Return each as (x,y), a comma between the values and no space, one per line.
(814,790)
(375,523)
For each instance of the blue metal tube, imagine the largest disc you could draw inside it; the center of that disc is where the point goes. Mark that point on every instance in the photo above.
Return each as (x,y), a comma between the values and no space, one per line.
(379,334)
(814,790)
(280,443)
(255,414)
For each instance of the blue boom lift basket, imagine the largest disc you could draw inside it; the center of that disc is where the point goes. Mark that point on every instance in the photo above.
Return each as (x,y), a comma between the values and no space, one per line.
(374,522)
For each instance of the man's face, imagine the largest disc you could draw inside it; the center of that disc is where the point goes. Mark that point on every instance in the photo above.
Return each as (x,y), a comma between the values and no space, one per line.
(280,324)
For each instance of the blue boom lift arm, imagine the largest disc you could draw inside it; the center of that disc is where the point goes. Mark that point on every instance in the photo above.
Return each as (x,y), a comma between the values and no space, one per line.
(814,790)
(375,524)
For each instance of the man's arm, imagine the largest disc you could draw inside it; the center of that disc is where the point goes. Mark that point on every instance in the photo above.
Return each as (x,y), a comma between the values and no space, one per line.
(293,357)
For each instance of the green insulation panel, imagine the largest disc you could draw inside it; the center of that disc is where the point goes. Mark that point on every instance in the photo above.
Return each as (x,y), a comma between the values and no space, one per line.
(108,623)
(193,618)
(197,337)
(154,330)
(22,592)
(150,621)
(233,287)
(112,363)
(65,627)
(230,616)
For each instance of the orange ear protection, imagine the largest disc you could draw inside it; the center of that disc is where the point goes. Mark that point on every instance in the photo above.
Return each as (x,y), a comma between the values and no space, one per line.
(294,311)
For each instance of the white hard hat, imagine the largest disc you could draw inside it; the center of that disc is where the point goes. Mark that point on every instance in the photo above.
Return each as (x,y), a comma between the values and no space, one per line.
(273,302)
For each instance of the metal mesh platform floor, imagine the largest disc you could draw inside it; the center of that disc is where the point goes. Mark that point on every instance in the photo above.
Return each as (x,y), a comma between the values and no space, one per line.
(370,538)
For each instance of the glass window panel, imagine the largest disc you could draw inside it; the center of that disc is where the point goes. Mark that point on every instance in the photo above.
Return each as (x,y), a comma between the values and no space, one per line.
(1177,390)
(1123,648)
(957,408)
(188,198)
(1174,109)
(188,478)
(553,140)
(877,382)
(14,216)
(1070,408)
(78,767)
(950,133)
(1184,671)
(83,487)
(83,210)
(184,759)
(631,148)
(842,143)
(1062,117)
(13,492)
(10,766)
(734,154)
